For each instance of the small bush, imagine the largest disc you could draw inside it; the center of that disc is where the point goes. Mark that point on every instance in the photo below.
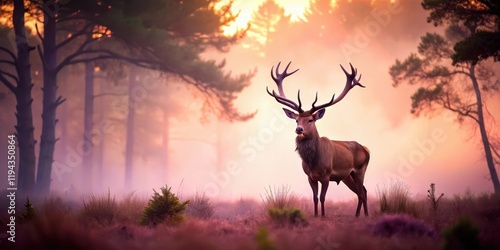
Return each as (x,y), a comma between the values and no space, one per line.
(29,212)
(263,241)
(164,207)
(397,200)
(279,198)
(403,225)
(287,216)
(200,207)
(101,210)
(462,235)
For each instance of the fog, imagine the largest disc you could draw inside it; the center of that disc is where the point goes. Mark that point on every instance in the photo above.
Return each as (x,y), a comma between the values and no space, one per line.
(230,161)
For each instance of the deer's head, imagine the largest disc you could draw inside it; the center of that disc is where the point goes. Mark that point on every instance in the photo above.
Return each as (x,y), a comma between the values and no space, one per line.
(306,127)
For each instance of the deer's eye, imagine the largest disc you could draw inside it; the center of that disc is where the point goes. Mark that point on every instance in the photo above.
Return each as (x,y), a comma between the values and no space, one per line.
(311,120)
(296,121)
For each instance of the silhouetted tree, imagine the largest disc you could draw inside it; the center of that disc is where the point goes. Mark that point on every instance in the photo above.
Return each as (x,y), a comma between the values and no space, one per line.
(481,16)
(18,80)
(165,35)
(459,88)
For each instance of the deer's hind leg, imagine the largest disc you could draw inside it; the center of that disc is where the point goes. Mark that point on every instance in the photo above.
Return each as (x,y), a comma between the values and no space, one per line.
(358,178)
(351,184)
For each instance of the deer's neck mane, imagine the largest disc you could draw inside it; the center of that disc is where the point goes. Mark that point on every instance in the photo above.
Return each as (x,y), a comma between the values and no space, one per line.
(308,150)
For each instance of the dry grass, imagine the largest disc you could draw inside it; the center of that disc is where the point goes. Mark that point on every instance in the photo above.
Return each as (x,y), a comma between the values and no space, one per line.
(279,197)
(130,208)
(242,225)
(99,209)
(396,199)
(200,206)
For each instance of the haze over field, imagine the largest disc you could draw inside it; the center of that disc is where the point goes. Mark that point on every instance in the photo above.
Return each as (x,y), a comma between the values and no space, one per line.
(234,160)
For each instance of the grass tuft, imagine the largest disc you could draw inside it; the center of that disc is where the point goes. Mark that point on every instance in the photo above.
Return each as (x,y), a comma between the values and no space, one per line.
(101,210)
(397,199)
(200,207)
(281,205)
(279,197)
(130,208)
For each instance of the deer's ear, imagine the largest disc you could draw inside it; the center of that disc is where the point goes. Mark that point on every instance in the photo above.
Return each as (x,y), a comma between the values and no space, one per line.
(319,114)
(290,114)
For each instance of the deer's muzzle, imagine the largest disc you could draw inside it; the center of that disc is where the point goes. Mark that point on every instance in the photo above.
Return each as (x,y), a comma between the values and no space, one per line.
(299,130)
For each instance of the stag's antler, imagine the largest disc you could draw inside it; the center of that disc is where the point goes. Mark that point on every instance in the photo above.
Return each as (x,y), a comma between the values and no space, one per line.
(281,98)
(350,83)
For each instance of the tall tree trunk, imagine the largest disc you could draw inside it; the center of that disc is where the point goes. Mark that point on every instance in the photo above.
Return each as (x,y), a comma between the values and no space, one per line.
(129,143)
(50,103)
(63,117)
(484,135)
(24,115)
(88,123)
(99,157)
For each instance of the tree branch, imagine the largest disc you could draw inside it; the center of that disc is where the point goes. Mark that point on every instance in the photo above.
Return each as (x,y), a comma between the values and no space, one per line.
(14,58)
(107,54)
(38,32)
(59,101)
(75,54)
(42,57)
(74,36)
(8,84)
(109,94)
(448,106)
(9,75)
(494,150)
(8,62)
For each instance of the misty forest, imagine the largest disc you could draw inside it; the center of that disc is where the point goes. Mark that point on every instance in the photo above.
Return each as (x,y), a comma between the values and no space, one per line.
(169,124)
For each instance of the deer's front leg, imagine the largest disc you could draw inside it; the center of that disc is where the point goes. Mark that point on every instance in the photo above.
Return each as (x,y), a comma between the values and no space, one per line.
(324,188)
(314,187)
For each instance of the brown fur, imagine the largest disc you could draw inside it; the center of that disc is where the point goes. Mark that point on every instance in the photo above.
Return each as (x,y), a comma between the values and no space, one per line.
(325,160)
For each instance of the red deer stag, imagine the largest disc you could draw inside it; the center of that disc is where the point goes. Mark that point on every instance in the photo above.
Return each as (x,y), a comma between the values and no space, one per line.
(325,160)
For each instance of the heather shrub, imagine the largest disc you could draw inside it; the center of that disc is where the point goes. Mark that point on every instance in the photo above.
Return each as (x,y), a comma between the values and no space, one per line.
(403,225)
(163,207)
(200,207)
(101,210)
(287,216)
(462,235)
(397,199)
